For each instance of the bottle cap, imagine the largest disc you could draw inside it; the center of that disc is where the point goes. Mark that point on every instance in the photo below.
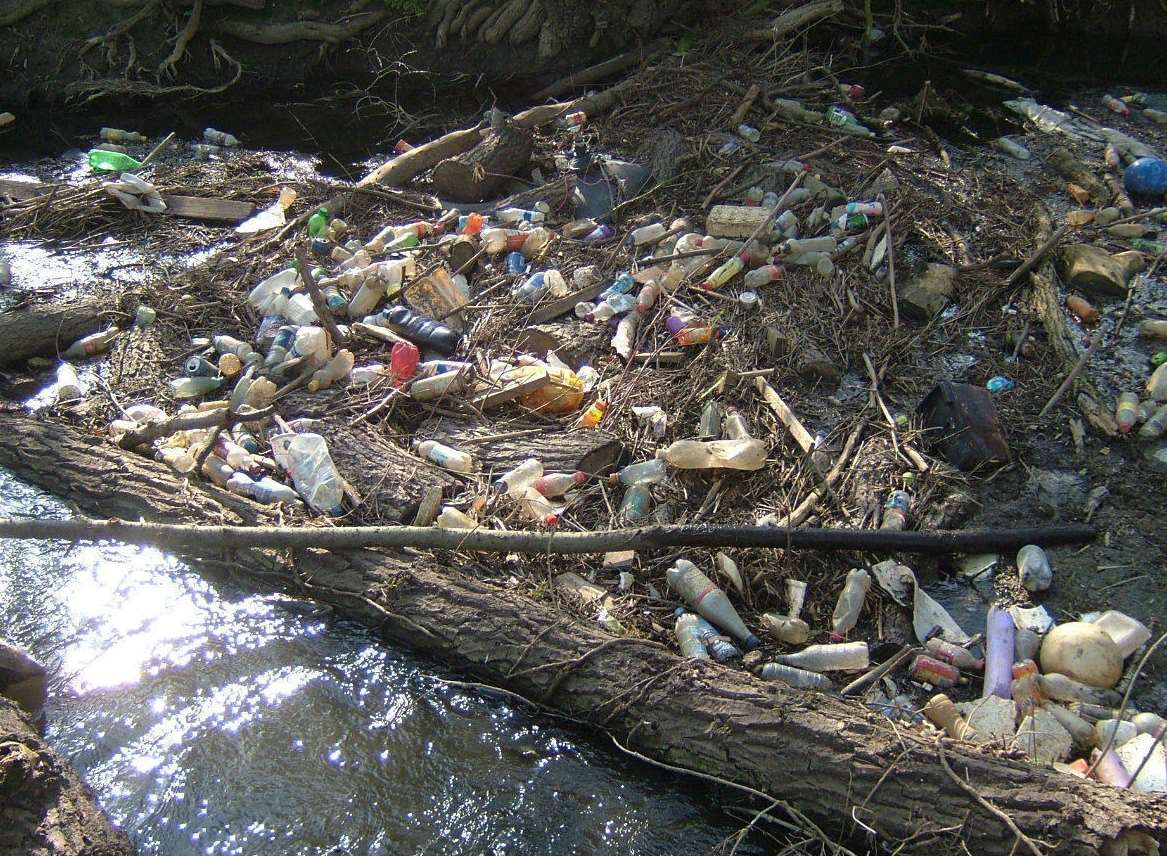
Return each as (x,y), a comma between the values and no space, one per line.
(748,299)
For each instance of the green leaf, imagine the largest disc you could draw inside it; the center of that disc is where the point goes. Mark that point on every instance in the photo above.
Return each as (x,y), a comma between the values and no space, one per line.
(684,44)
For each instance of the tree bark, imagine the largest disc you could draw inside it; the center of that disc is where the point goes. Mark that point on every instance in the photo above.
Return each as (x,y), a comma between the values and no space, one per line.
(832,758)
(45,808)
(479,173)
(45,330)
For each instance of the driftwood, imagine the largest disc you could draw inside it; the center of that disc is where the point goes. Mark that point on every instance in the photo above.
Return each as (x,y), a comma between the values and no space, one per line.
(46,330)
(599,71)
(594,452)
(477,174)
(796,19)
(539,542)
(831,758)
(426,156)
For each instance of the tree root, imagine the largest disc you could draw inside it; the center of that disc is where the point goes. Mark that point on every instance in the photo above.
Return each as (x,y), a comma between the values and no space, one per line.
(167,66)
(529,25)
(298,31)
(119,88)
(20,11)
(475,19)
(450,8)
(507,17)
(117,31)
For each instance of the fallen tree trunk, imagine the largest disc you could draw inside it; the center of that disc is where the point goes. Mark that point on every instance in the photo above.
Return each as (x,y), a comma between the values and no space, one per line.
(477,174)
(44,806)
(47,329)
(426,156)
(827,756)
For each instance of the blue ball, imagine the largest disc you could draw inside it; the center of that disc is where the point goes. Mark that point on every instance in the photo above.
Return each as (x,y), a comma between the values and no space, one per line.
(1146,177)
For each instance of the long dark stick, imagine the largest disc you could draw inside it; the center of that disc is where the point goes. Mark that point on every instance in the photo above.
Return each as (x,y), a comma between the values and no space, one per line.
(355,537)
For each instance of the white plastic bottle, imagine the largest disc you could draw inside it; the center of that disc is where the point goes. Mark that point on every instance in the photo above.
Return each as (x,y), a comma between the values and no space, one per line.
(68,384)
(850,603)
(446,457)
(336,369)
(841,657)
(515,482)
(314,473)
(749,454)
(707,600)
(311,342)
(299,310)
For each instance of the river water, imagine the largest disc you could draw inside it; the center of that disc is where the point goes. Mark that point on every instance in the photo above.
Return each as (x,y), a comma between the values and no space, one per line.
(213,721)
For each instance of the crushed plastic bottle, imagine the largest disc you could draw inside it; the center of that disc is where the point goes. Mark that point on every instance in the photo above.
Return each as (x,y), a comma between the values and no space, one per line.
(424,331)
(735,426)
(850,603)
(637,503)
(685,629)
(704,597)
(1033,568)
(709,424)
(747,454)
(720,647)
(314,474)
(336,369)
(795,677)
(219,138)
(452,518)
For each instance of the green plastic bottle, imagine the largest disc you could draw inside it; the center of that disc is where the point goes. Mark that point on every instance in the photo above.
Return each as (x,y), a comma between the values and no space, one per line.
(103,161)
(318,223)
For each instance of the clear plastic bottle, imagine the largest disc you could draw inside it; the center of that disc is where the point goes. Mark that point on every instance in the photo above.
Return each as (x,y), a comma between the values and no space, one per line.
(720,647)
(538,509)
(219,138)
(794,246)
(216,470)
(850,603)
(646,472)
(1033,568)
(263,295)
(314,474)
(68,384)
(369,295)
(841,657)
(1127,411)
(557,484)
(690,331)
(637,503)
(335,369)
(446,383)
(763,276)
(508,216)
(193,387)
(645,234)
(962,658)
(515,482)
(685,629)
(709,424)
(709,601)
(1156,425)
(299,310)
(735,426)
(616,304)
(88,346)
(446,457)
(795,677)
(452,518)
(715,454)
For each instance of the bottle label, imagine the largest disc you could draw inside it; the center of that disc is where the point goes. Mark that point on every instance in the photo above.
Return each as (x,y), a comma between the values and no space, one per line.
(709,589)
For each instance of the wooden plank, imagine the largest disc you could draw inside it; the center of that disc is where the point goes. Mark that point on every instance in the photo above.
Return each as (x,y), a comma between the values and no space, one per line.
(555,308)
(199,208)
(797,430)
(496,397)
(20,190)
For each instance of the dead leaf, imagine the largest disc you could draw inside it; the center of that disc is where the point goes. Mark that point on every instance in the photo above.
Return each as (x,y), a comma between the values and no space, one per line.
(1079,218)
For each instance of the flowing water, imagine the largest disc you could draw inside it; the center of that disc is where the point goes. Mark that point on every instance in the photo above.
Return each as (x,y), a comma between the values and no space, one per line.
(213,721)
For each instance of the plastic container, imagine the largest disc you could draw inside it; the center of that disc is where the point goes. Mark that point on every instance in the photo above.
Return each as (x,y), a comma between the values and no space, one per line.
(636,504)
(446,457)
(1033,568)
(999,631)
(193,387)
(314,474)
(850,603)
(311,342)
(1146,177)
(937,673)
(646,472)
(337,368)
(784,628)
(557,484)
(720,648)
(763,276)
(88,346)
(1128,634)
(842,657)
(685,629)
(704,597)
(795,677)
(715,454)
(426,332)
(516,481)
(735,426)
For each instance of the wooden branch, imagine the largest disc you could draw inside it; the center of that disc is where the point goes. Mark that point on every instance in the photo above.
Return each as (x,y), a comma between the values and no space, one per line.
(327,321)
(299,31)
(915,457)
(795,19)
(218,418)
(891,262)
(1038,254)
(592,105)
(743,109)
(426,156)
(785,415)
(599,71)
(804,508)
(47,329)
(940,542)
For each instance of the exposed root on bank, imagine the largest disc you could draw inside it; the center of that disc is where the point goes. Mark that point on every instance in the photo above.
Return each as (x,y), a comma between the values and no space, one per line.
(21,10)
(169,65)
(109,40)
(298,31)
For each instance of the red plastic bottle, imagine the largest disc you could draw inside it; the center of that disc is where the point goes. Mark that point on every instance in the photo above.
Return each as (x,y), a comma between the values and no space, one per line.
(403,362)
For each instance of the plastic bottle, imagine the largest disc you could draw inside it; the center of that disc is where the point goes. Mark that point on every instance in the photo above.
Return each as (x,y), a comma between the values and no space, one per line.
(850,603)
(88,346)
(735,427)
(785,628)
(508,216)
(116,135)
(68,384)
(369,294)
(318,223)
(199,367)
(962,658)
(720,647)
(516,481)
(1033,568)
(219,138)
(1126,411)
(763,276)
(685,629)
(999,629)
(497,240)
(795,246)
(727,271)
(715,454)
(1025,689)
(708,600)
(538,508)
(263,294)
(895,511)
(245,438)
(423,330)
(1081,730)
(178,459)
(795,677)
(636,504)
(594,414)
(1112,732)
(103,161)
(647,297)
(646,472)
(537,240)
(1063,688)
(846,656)
(335,369)
(709,425)
(937,673)
(446,383)
(617,304)
(311,342)
(446,457)
(452,518)
(688,332)
(557,484)
(942,713)
(314,474)
(1115,106)
(193,387)
(645,234)
(217,471)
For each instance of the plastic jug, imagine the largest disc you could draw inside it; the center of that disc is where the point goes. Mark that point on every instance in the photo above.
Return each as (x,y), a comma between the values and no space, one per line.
(314,474)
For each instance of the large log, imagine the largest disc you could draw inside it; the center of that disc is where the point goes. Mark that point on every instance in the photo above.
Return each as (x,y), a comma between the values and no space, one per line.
(479,173)
(44,806)
(829,757)
(44,330)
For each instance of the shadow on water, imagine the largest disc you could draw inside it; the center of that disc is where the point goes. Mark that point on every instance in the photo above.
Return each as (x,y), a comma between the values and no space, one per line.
(213,721)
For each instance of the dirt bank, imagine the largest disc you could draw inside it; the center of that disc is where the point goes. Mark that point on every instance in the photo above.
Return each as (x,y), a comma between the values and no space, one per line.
(45,808)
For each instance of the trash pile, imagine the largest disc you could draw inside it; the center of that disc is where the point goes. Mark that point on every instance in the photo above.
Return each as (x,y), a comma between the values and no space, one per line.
(736,331)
